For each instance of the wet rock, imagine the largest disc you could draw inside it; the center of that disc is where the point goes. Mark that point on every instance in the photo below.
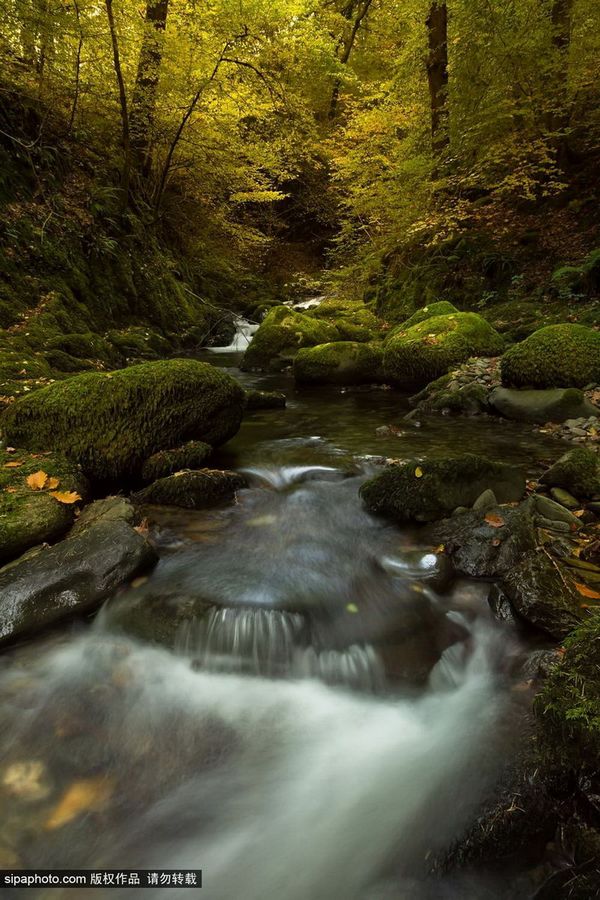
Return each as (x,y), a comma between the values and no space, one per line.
(551,405)
(193,489)
(110,509)
(500,606)
(481,549)
(339,362)
(553,511)
(190,455)
(541,595)
(154,616)
(281,334)
(486,501)
(428,490)
(539,664)
(564,498)
(577,471)
(27,516)
(69,579)
(265,399)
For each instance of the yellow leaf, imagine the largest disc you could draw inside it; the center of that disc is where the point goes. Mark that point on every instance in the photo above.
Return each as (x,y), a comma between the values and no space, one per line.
(52,483)
(586,591)
(37,481)
(67,497)
(10,490)
(418,472)
(83,796)
(13,465)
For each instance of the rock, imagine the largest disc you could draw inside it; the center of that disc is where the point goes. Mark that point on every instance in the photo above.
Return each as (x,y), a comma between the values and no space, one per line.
(539,664)
(429,490)
(486,501)
(433,569)
(551,405)
(190,455)
(439,308)
(112,422)
(594,507)
(552,525)
(448,393)
(282,333)
(481,550)
(27,516)
(549,509)
(425,351)
(564,498)
(156,617)
(500,606)
(110,509)
(192,489)
(265,400)
(541,596)
(555,356)
(352,319)
(340,362)
(577,471)
(71,578)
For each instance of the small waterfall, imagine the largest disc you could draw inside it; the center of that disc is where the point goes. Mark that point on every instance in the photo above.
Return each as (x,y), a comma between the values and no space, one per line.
(241,339)
(357,666)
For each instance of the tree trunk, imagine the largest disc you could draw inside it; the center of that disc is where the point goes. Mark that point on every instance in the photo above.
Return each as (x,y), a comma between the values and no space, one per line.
(143,102)
(437,74)
(347,44)
(126,170)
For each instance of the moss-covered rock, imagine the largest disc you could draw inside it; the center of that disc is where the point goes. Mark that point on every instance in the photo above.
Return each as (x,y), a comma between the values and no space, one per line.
(550,405)
(193,489)
(353,320)
(440,308)
(67,364)
(86,346)
(425,351)
(429,490)
(282,333)
(111,423)
(139,343)
(555,356)
(265,399)
(189,456)
(27,516)
(340,362)
(577,471)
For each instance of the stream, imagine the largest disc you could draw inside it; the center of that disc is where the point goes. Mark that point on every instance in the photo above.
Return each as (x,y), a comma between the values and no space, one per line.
(330,711)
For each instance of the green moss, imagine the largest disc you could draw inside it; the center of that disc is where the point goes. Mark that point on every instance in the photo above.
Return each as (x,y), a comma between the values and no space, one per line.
(283,332)
(577,471)
(112,423)
(353,320)
(439,308)
(193,490)
(86,346)
(30,517)
(340,362)
(424,352)
(139,342)
(578,280)
(64,362)
(568,705)
(555,356)
(190,455)
(430,490)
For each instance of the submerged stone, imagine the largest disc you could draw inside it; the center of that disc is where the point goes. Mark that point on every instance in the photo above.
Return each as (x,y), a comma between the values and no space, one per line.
(265,399)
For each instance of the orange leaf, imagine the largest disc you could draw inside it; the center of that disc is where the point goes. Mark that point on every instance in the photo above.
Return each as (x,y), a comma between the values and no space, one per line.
(494,520)
(67,497)
(586,591)
(13,465)
(37,481)
(82,796)
(53,483)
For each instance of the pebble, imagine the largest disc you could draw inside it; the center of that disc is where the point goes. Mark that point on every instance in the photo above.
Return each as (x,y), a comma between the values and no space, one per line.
(549,509)
(552,524)
(564,498)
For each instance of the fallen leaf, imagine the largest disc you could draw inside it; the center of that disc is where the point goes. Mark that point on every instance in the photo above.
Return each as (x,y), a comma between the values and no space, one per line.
(418,472)
(53,483)
(83,796)
(13,465)
(37,481)
(10,490)
(138,582)
(67,497)
(440,548)
(494,520)
(586,591)
(496,542)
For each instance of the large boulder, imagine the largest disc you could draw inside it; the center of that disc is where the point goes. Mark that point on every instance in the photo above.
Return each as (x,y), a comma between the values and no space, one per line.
(550,405)
(425,351)
(555,356)
(70,578)
(353,320)
(439,308)
(193,490)
(282,333)
(33,513)
(110,423)
(424,491)
(341,362)
(190,455)
(577,471)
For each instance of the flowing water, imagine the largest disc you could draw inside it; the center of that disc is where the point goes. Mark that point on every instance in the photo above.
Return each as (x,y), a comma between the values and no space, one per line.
(315,717)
